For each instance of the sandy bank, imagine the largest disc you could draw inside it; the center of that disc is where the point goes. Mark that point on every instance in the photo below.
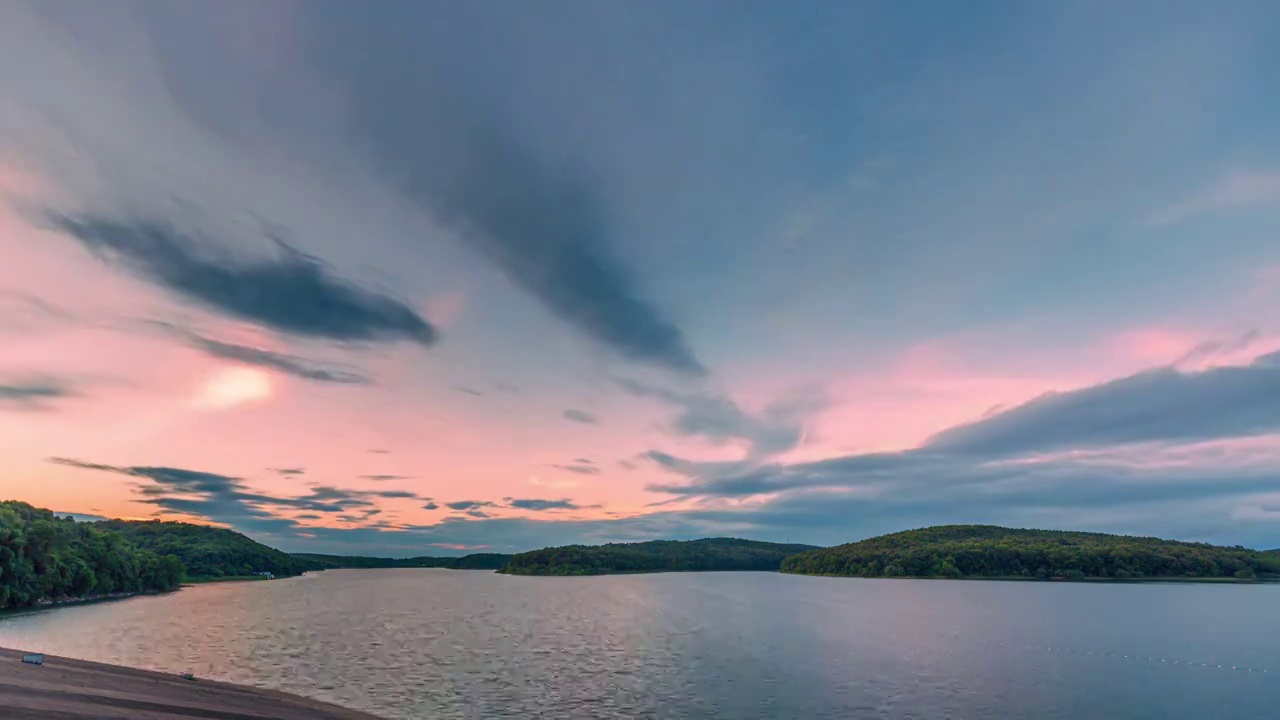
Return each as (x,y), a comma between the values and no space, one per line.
(65,689)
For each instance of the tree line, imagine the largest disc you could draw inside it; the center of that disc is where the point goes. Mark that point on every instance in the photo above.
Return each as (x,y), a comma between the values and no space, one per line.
(474,561)
(990,551)
(653,556)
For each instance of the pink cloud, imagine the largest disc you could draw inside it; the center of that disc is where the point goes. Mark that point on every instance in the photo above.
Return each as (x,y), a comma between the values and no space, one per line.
(1154,345)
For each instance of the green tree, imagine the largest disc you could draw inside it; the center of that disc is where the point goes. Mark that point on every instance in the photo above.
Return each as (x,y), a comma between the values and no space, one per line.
(45,557)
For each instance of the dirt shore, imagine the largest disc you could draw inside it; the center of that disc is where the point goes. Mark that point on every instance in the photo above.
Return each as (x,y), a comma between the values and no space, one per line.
(65,689)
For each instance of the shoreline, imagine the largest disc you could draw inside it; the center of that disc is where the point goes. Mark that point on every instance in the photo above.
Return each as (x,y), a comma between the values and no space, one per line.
(1166,580)
(67,688)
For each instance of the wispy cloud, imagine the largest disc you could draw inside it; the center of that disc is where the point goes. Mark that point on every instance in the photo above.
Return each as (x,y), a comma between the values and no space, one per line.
(1161,438)
(580,416)
(281,362)
(33,393)
(289,471)
(1158,405)
(435,131)
(718,419)
(579,469)
(469,504)
(291,293)
(227,499)
(540,505)
(1240,190)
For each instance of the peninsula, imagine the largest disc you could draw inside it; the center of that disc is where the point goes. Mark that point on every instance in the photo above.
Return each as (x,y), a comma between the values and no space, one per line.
(988,551)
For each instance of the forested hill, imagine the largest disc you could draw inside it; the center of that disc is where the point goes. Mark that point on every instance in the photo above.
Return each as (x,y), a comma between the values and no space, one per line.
(653,556)
(45,557)
(475,561)
(207,552)
(990,551)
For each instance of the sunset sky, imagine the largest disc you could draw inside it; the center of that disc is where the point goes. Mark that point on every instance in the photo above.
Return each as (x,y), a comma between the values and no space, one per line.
(437,277)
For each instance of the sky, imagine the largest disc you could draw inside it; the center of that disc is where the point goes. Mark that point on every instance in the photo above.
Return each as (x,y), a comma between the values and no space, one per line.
(415,278)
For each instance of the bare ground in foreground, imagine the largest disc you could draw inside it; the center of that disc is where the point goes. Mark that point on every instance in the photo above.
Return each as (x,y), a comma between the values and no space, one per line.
(65,689)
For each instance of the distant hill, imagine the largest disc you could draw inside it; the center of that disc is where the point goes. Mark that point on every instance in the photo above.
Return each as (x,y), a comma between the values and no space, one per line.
(476,561)
(47,558)
(990,551)
(653,556)
(206,552)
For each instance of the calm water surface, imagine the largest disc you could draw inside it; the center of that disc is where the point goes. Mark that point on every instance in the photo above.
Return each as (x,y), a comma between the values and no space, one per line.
(473,644)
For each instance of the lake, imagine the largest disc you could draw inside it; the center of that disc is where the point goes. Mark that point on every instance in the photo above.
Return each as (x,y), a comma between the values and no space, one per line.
(473,644)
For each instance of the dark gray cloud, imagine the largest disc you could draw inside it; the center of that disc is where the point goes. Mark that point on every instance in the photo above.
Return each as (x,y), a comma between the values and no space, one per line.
(289,471)
(477,514)
(717,419)
(583,461)
(384,478)
(1209,348)
(579,469)
(1089,458)
(695,468)
(581,416)
(287,364)
(291,293)
(393,494)
(33,394)
(225,498)
(1159,407)
(307,516)
(1164,405)
(430,506)
(444,133)
(27,314)
(469,504)
(468,391)
(539,505)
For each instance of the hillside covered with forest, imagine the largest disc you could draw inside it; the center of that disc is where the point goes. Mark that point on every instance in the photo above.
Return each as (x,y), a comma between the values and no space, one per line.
(475,561)
(990,551)
(207,552)
(47,558)
(654,556)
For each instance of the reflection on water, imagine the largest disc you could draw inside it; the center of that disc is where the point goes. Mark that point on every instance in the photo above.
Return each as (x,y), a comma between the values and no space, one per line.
(473,644)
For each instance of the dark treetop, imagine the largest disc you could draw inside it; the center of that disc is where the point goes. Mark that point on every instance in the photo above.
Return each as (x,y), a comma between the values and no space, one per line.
(653,556)
(475,561)
(207,551)
(990,551)
(44,557)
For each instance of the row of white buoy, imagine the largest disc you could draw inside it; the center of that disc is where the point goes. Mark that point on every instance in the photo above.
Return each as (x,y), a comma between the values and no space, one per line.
(1147,658)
